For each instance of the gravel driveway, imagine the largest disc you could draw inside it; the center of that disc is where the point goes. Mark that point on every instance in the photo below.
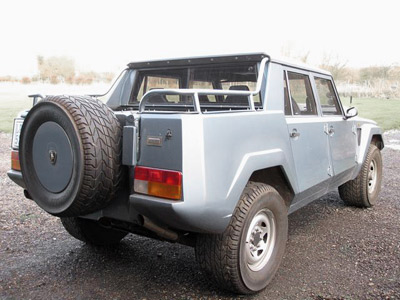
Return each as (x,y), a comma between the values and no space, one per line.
(333,251)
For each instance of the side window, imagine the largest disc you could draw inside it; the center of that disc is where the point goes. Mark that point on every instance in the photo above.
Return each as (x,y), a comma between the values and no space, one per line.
(327,97)
(303,102)
(288,109)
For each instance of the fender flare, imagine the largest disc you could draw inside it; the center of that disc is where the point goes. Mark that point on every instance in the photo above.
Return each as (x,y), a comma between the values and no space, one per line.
(368,131)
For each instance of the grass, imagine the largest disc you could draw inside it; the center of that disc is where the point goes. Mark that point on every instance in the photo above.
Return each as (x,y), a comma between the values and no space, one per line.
(386,112)
(14,97)
(10,105)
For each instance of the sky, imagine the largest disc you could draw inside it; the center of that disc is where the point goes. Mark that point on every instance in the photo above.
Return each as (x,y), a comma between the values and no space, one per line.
(106,35)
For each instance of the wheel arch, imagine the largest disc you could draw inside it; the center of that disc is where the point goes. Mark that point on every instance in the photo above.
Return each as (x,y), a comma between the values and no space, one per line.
(377,140)
(277,178)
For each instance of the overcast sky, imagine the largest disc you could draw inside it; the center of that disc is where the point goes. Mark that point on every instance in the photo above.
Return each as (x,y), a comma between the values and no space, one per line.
(106,35)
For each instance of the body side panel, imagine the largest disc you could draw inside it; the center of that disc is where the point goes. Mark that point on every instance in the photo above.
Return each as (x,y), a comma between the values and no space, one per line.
(220,152)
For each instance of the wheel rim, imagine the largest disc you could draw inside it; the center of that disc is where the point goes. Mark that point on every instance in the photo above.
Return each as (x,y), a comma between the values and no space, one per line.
(372,176)
(52,157)
(260,240)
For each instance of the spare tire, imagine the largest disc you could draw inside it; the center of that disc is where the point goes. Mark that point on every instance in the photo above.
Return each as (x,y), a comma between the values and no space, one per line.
(70,154)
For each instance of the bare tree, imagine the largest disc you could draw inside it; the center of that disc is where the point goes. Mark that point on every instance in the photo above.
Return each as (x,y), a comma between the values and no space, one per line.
(335,65)
(56,68)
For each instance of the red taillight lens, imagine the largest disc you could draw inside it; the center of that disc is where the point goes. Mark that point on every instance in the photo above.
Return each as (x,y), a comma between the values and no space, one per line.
(15,165)
(159,183)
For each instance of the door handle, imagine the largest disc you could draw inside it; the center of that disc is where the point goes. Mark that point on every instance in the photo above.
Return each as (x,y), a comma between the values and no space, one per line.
(329,130)
(294,133)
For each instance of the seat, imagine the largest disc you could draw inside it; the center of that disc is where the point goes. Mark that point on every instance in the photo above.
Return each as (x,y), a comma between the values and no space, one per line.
(204,99)
(237,99)
(295,107)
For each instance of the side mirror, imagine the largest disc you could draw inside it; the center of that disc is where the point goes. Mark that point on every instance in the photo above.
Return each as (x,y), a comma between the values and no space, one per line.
(351,112)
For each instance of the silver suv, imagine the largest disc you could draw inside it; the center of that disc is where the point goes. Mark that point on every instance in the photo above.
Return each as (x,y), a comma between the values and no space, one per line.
(211,152)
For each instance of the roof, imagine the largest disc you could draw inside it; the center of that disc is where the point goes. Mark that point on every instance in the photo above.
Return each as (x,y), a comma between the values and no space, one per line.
(199,60)
(218,59)
(299,65)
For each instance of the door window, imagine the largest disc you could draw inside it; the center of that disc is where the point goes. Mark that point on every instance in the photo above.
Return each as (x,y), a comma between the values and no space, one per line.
(303,102)
(327,97)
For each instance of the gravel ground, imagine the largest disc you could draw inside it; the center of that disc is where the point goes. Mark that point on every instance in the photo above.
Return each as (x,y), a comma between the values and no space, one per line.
(333,252)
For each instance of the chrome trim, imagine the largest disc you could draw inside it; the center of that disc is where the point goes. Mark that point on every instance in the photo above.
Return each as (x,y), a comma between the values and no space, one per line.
(196,92)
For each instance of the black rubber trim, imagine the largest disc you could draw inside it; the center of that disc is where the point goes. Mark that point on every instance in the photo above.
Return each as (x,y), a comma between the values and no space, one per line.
(16,176)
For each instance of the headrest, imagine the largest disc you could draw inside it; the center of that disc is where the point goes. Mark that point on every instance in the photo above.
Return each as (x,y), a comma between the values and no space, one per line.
(239,88)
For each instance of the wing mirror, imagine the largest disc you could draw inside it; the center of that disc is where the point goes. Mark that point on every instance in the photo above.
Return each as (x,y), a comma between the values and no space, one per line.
(351,112)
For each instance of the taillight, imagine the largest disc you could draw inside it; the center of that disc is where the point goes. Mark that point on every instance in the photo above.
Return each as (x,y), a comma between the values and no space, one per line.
(159,183)
(15,165)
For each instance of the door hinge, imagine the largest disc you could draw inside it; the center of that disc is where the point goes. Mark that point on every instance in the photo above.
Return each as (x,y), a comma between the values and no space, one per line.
(329,129)
(326,128)
(330,173)
(354,129)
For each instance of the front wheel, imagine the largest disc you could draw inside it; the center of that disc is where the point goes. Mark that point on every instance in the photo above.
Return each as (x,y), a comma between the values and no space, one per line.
(245,258)
(363,191)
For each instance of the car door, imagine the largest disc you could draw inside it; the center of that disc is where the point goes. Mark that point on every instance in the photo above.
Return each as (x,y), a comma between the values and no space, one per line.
(341,132)
(309,142)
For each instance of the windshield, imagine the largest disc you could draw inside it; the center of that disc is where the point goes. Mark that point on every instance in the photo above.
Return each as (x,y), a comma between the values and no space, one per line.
(238,77)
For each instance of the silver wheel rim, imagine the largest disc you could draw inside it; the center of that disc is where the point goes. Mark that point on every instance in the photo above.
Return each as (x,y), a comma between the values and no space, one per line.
(260,240)
(372,176)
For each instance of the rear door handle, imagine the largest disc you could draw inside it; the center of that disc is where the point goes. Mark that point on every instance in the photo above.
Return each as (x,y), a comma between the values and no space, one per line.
(294,133)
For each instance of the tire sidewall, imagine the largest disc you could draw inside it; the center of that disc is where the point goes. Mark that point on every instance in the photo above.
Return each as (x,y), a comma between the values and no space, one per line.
(41,113)
(256,281)
(374,154)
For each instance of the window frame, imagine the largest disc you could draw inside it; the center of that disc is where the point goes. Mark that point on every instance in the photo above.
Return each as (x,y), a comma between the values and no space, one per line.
(329,78)
(285,81)
(286,70)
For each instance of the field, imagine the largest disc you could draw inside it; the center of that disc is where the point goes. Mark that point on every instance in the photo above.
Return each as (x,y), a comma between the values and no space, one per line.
(13,99)
(386,112)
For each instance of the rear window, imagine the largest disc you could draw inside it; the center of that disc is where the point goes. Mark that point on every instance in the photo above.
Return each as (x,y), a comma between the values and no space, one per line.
(238,77)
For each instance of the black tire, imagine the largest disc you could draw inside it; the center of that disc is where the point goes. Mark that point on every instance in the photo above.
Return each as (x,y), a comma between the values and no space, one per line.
(70,152)
(224,257)
(91,232)
(360,192)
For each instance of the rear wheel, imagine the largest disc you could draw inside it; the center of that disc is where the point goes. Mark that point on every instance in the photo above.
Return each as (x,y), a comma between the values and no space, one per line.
(91,232)
(363,191)
(245,258)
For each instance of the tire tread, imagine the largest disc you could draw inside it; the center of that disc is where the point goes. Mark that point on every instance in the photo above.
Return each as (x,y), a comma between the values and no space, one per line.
(101,136)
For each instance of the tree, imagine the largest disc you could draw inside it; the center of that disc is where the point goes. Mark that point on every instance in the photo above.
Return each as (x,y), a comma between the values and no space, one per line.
(333,64)
(56,68)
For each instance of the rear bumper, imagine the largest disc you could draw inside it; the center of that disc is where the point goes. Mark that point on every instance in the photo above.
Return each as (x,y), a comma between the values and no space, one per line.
(16,176)
(180,215)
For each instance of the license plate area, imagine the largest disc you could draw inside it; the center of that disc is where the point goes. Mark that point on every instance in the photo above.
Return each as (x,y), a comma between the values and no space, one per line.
(16,132)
